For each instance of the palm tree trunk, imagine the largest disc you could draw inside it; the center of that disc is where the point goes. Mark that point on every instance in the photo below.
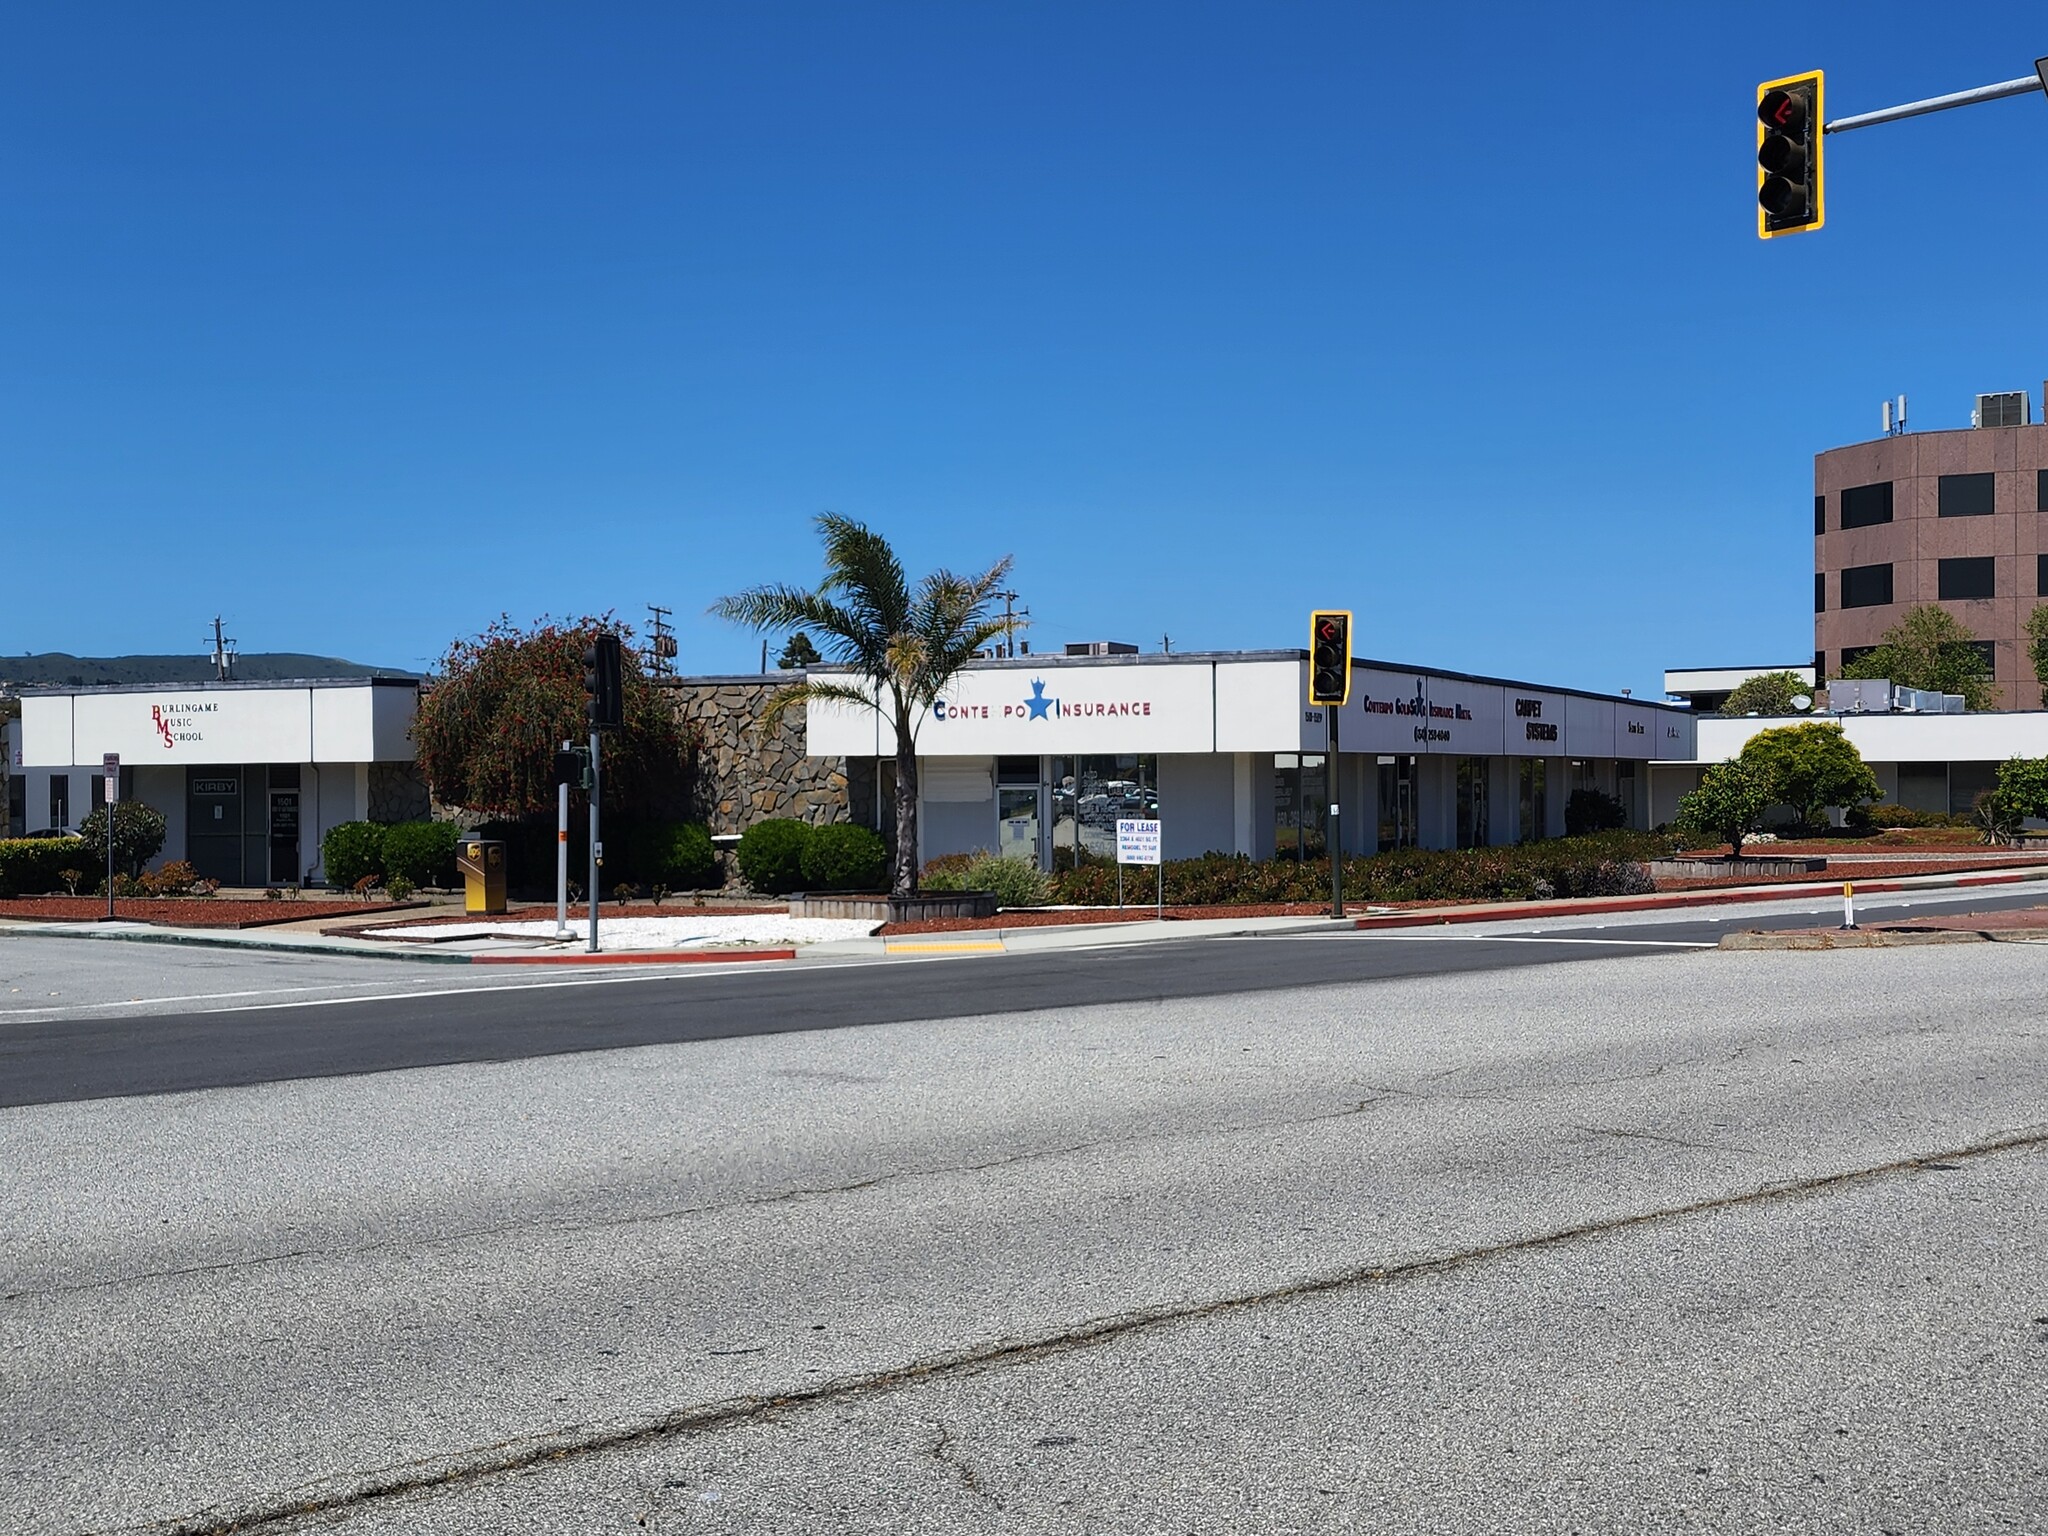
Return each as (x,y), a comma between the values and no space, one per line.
(903,874)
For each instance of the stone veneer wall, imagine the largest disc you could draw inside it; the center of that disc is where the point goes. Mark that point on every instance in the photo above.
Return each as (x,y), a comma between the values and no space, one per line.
(398,792)
(748,772)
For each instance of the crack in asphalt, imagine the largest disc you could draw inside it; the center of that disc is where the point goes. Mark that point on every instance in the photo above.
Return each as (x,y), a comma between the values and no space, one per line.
(336,1495)
(651,1218)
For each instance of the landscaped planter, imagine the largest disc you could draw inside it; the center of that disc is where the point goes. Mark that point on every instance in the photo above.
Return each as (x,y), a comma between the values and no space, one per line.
(1721,869)
(895,909)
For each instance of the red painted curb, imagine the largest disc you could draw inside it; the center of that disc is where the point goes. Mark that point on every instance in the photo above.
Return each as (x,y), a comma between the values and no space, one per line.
(640,957)
(1671,899)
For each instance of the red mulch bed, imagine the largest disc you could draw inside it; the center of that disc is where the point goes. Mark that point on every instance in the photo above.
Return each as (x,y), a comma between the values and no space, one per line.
(198,912)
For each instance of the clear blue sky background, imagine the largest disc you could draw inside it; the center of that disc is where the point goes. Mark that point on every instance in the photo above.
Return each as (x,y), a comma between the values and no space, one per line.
(363,325)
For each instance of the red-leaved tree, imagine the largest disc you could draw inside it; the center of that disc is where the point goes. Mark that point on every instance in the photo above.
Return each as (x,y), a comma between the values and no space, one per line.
(501,705)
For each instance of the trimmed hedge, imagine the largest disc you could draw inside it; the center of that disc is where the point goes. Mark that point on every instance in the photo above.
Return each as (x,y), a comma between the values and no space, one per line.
(679,855)
(771,854)
(351,850)
(1604,864)
(844,857)
(421,851)
(29,866)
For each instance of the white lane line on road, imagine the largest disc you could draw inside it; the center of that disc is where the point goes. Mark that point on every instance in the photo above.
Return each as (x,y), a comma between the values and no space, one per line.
(192,997)
(1529,938)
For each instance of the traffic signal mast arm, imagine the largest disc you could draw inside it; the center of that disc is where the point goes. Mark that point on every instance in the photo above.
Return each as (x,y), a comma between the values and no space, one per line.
(2037,81)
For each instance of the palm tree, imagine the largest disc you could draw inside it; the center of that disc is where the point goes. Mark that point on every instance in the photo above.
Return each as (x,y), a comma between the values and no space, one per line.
(900,646)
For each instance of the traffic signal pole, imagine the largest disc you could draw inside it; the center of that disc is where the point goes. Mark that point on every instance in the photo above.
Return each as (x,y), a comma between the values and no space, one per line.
(595,785)
(2038,81)
(1336,835)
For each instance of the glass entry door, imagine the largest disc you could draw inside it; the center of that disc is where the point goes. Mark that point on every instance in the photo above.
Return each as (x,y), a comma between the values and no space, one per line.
(1017,823)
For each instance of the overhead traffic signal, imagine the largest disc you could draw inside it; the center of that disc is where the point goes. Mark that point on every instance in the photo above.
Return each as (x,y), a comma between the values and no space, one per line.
(1329,656)
(1788,135)
(604,682)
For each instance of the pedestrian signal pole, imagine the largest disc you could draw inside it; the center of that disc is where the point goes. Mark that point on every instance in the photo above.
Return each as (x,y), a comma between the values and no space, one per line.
(604,682)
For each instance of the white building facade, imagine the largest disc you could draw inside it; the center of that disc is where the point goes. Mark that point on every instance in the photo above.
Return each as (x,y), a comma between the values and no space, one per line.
(1925,762)
(1037,755)
(248,775)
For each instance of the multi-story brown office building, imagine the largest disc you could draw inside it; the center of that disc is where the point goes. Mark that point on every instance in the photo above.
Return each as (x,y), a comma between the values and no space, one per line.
(1952,518)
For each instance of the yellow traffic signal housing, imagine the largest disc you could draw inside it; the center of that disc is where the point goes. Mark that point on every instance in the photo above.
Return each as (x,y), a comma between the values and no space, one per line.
(1789,119)
(1329,656)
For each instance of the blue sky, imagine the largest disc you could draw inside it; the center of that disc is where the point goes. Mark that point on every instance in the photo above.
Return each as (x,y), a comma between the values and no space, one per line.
(361,325)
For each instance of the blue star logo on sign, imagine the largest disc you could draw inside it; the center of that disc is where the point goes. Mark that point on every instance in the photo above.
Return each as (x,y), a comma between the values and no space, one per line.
(1039,705)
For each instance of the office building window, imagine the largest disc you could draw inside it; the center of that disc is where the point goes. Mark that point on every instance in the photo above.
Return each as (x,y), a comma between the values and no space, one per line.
(1533,802)
(1472,802)
(1086,799)
(1820,592)
(1965,496)
(1851,654)
(1958,580)
(60,801)
(1866,505)
(1820,514)
(1301,806)
(2041,575)
(17,805)
(1987,654)
(1397,803)
(2041,490)
(1820,667)
(1866,586)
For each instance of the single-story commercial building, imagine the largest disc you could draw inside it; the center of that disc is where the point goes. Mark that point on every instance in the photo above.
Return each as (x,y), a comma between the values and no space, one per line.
(1923,761)
(248,775)
(1038,753)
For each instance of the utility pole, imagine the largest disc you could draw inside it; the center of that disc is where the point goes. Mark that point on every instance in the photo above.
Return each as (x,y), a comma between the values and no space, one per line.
(223,653)
(661,647)
(1012,617)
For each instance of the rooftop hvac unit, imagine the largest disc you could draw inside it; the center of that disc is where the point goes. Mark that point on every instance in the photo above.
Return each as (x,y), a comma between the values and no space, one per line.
(2005,410)
(1101,648)
(1860,696)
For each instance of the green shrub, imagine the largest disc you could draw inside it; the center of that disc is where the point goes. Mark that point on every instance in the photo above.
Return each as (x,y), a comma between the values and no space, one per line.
(680,856)
(420,852)
(1885,817)
(844,857)
(138,836)
(771,855)
(1589,810)
(397,887)
(29,865)
(351,851)
(1015,882)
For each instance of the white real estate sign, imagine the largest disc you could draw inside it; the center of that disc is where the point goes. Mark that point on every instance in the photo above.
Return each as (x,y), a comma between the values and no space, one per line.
(1137,842)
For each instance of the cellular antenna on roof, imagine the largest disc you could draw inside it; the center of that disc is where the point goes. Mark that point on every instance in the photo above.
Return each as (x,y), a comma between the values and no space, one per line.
(223,653)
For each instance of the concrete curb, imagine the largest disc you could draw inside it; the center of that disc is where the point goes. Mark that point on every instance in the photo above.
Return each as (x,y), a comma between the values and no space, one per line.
(1678,900)
(1855,938)
(637,957)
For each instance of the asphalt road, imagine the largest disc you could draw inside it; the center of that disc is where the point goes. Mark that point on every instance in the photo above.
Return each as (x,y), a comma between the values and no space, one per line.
(1686,1240)
(90,1020)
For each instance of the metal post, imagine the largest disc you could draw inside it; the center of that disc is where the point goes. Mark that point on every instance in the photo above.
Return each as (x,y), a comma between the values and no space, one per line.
(596,784)
(111,768)
(1848,905)
(2019,87)
(562,857)
(1334,784)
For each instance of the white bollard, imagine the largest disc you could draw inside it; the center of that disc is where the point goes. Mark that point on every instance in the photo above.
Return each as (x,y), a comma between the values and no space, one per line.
(1848,905)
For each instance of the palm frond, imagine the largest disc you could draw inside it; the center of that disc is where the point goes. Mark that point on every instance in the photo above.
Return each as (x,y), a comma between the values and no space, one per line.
(813,691)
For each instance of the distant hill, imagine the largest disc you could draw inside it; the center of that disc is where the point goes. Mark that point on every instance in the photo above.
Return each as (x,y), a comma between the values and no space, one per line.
(55,669)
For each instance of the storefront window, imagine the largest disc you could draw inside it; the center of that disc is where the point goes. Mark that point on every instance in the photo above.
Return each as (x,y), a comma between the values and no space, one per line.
(1627,789)
(1091,794)
(1472,802)
(60,801)
(1534,803)
(1396,803)
(1301,805)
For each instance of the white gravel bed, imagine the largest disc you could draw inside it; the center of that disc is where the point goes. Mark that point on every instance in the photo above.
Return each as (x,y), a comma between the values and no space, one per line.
(659,932)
